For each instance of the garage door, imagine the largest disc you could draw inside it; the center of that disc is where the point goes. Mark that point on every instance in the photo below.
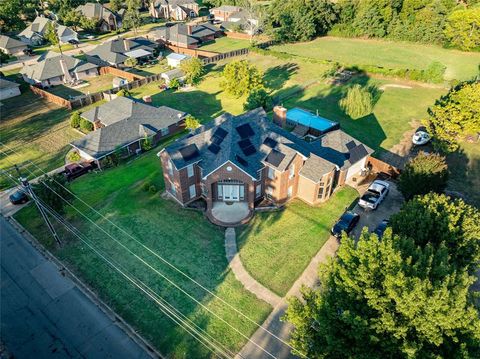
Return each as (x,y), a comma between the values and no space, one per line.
(356,168)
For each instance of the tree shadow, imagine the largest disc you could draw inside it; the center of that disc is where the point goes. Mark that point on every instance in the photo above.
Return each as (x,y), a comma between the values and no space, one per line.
(464,180)
(275,77)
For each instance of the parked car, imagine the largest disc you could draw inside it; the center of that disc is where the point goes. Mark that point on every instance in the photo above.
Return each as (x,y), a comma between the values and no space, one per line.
(19,197)
(75,170)
(374,195)
(381,228)
(28,51)
(73,42)
(421,136)
(346,223)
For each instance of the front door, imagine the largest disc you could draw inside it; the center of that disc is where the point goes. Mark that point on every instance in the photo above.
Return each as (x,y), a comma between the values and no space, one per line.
(231,192)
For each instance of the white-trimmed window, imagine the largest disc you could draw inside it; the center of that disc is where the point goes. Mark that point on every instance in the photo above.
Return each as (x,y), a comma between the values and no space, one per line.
(192,190)
(292,171)
(258,190)
(219,191)
(170,168)
(271,173)
(242,191)
(190,171)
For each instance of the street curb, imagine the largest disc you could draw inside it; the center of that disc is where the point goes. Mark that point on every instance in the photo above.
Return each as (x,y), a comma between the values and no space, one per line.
(90,294)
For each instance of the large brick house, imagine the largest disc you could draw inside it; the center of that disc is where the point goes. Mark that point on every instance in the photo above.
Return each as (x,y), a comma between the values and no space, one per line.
(178,10)
(236,161)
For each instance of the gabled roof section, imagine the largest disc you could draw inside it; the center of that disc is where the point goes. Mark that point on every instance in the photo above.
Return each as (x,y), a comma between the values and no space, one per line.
(7,42)
(114,51)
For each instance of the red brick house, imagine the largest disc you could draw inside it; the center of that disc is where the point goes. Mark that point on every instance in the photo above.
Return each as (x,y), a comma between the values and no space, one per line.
(236,161)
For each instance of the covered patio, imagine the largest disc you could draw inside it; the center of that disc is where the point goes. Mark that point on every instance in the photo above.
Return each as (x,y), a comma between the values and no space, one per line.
(230,213)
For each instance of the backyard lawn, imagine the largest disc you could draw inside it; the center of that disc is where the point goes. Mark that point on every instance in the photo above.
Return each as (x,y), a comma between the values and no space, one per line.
(185,238)
(276,247)
(38,130)
(390,54)
(95,84)
(226,44)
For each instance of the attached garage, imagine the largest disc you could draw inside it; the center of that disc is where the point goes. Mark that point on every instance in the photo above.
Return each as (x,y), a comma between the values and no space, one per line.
(356,168)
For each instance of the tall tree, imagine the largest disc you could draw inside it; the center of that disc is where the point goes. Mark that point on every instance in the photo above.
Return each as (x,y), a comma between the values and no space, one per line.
(358,102)
(426,172)
(240,78)
(10,16)
(51,35)
(193,69)
(375,302)
(455,116)
(132,19)
(463,29)
(116,5)
(442,222)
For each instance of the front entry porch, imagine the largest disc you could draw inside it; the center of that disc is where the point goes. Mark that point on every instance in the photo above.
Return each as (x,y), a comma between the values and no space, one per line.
(230,213)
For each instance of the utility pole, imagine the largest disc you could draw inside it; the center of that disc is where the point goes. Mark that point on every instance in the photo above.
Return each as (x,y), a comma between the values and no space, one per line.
(29,190)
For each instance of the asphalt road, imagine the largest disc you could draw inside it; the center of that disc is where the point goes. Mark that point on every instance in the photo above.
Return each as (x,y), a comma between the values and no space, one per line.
(44,315)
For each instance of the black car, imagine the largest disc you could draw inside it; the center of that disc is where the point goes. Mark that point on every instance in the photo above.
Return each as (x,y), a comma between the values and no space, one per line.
(73,42)
(346,223)
(19,197)
(381,228)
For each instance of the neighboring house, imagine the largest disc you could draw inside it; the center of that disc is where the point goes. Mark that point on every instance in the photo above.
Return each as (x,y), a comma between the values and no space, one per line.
(106,19)
(173,74)
(34,34)
(11,46)
(240,160)
(122,124)
(175,60)
(115,52)
(186,35)
(179,10)
(222,13)
(53,69)
(8,89)
(241,20)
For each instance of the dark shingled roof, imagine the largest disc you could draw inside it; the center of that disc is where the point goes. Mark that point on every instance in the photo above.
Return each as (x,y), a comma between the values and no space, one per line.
(113,52)
(126,121)
(273,146)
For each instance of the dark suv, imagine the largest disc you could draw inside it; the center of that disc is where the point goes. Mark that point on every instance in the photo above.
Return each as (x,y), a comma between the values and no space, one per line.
(346,223)
(75,170)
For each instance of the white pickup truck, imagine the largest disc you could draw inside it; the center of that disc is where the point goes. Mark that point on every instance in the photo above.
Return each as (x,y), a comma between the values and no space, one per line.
(374,195)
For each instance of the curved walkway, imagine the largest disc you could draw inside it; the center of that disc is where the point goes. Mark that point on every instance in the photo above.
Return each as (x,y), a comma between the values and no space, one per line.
(242,275)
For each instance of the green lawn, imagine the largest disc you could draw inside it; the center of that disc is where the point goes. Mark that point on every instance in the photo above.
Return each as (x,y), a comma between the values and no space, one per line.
(95,84)
(390,54)
(226,44)
(276,247)
(183,237)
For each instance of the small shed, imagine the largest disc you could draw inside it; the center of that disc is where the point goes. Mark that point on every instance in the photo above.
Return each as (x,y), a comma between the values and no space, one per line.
(173,74)
(118,81)
(174,59)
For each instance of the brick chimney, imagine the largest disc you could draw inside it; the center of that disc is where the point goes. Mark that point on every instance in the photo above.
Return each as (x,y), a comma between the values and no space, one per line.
(63,65)
(126,44)
(280,116)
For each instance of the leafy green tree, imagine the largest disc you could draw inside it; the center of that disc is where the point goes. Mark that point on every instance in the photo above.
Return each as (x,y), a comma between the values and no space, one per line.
(51,35)
(88,24)
(174,84)
(116,5)
(132,19)
(377,302)
(10,20)
(123,93)
(131,62)
(258,98)
(191,123)
(358,102)
(146,144)
(50,189)
(463,29)
(71,18)
(437,220)
(426,172)
(193,70)
(3,57)
(75,119)
(240,78)
(455,116)
(86,125)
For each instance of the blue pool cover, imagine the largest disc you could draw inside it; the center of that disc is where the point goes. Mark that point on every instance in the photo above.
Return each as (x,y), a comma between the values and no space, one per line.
(308,119)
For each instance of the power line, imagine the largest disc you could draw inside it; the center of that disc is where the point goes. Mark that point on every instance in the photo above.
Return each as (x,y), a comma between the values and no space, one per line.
(154,269)
(165,261)
(167,308)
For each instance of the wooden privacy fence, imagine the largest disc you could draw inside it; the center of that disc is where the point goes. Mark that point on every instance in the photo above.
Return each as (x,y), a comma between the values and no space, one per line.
(50,97)
(380,166)
(191,52)
(119,73)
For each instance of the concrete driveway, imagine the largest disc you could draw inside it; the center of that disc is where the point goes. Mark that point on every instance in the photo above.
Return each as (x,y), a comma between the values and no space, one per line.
(368,218)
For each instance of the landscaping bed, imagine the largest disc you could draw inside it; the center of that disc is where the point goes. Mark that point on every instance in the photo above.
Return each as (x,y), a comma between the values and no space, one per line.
(276,247)
(183,237)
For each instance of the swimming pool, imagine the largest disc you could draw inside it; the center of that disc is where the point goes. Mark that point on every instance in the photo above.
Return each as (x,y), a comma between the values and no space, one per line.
(299,116)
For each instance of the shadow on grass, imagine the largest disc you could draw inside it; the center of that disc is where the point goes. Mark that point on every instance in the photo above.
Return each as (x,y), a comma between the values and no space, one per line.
(464,178)
(276,77)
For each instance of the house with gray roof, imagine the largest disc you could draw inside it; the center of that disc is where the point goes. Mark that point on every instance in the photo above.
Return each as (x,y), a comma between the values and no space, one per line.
(53,69)
(240,160)
(178,10)
(8,89)
(124,123)
(186,35)
(115,52)
(106,19)
(11,46)
(34,34)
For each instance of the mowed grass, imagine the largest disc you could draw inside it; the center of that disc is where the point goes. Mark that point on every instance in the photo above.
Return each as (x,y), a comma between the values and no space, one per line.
(226,44)
(184,238)
(33,129)
(95,84)
(390,54)
(276,247)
